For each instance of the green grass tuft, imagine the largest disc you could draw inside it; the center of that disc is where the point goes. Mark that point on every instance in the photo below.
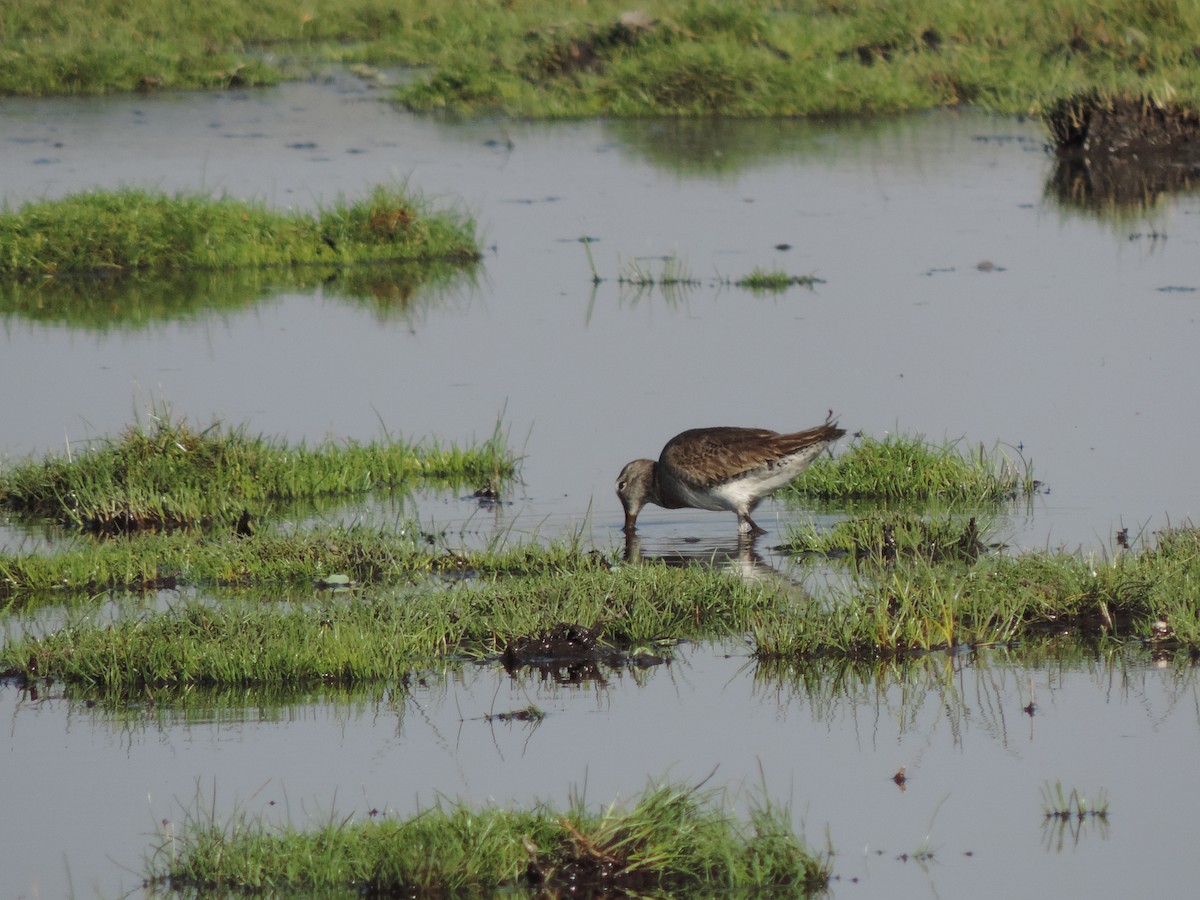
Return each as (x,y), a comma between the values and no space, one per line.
(268,558)
(350,636)
(911,468)
(775,281)
(547,60)
(171,475)
(671,839)
(916,606)
(886,537)
(355,634)
(133,231)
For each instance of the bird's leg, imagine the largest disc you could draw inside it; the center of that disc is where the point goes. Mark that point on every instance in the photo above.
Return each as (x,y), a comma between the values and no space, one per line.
(746,525)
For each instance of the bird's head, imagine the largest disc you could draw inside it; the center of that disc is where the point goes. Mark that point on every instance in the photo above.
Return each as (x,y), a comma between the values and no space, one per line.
(636,488)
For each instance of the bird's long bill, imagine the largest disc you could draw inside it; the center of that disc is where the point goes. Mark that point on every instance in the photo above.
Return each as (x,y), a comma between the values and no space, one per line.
(630,522)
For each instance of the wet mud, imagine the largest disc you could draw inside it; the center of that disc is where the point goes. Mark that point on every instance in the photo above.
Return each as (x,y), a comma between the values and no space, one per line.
(569,653)
(564,643)
(1122,152)
(579,867)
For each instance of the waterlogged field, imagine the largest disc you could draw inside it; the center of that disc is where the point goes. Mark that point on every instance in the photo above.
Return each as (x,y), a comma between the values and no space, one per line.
(253,652)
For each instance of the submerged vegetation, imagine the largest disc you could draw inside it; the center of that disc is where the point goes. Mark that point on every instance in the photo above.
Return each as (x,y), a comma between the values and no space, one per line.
(170,475)
(131,231)
(815,57)
(1057,803)
(675,274)
(672,839)
(918,583)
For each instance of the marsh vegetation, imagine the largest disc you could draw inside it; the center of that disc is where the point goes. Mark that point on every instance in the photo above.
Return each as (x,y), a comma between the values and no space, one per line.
(167,474)
(917,584)
(670,839)
(545,60)
(213,593)
(132,231)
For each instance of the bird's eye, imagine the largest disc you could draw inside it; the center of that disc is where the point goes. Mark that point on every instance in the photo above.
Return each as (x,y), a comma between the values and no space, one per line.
(621,485)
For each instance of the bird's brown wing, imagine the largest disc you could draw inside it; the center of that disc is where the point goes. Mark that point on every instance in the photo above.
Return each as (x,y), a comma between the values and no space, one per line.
(706,456)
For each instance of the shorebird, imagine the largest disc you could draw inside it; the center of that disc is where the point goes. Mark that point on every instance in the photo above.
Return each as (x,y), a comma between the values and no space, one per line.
(721,468)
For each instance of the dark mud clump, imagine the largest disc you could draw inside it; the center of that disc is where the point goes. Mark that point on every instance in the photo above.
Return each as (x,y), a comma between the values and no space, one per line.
(583,867)
(570,654)
(564,644)
(1122,151)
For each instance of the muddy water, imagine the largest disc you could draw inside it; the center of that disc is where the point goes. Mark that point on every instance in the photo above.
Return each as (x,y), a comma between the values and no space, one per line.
(1076,341)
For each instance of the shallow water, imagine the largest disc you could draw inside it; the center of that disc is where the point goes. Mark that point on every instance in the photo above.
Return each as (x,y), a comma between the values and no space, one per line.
(1070,347)
(102,783)
(1078,344)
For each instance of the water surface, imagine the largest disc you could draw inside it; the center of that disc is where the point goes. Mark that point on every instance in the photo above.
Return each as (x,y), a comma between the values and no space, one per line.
(1076,343)
(100,783)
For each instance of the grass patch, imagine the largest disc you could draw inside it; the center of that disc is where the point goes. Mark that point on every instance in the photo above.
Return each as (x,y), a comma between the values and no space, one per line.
(326,557)
(670,839)
(774,281)
(907,607)
(917,606)
(132,231)
(713,57)
(911,468)
(887,536)
(347,637)
(818,57)
(168,475)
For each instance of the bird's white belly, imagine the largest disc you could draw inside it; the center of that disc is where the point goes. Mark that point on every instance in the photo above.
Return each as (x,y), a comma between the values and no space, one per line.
(733,495)
(717,499)
(745,492)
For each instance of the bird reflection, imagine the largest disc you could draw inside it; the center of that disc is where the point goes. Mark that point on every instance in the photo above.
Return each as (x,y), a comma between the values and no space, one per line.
(739,556)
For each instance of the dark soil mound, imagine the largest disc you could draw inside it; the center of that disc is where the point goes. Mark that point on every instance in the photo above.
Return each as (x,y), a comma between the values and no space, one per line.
(1122,150)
